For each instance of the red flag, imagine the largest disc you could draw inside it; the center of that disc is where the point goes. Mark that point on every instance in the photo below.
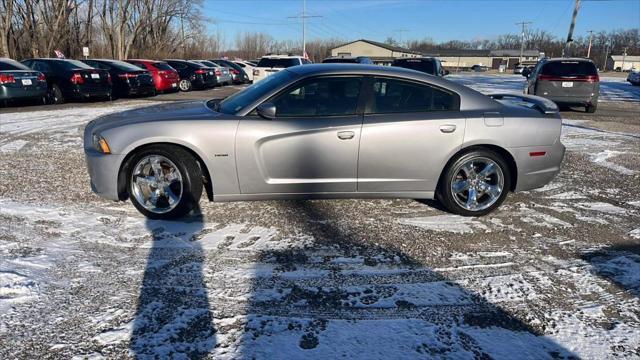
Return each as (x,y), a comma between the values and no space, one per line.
(59,54)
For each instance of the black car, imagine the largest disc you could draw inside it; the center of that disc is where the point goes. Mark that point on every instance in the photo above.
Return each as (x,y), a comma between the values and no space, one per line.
(238,74)
(479,68)
(128,79)
(193,75)
(426,65)
(348,60)
(72,79)
(18,82)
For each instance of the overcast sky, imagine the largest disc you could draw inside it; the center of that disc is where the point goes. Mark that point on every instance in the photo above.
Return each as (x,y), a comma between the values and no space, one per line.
(416,19)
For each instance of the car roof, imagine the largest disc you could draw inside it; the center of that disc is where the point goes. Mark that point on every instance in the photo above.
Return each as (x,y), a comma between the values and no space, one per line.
(282,57)
(430,58)
(145,60)
(568,59)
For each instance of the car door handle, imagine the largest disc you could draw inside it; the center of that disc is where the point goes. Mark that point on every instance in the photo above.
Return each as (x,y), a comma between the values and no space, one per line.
(346,135)
(447,128)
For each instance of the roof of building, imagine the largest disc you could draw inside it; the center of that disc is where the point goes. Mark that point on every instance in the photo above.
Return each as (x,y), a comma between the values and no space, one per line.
(514,53)
(382,45)
(626,58)
(457,52)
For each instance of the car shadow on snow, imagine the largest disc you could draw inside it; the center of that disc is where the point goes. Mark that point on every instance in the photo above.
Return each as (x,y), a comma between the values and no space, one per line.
(173,317)
(619,264)
(389,305)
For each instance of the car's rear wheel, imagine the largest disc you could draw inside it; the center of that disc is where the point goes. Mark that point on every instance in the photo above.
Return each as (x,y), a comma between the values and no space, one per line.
(591,108)
(164,182)
(185,85)
(475,183)
(55,95)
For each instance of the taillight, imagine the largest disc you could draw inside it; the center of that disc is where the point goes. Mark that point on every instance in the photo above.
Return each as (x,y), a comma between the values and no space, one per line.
(218,72)
(41,77)
(585,78)
(109,79)
(127,76)
(7,79)
(77,79)
(256,72)
(201,71)
(235,72)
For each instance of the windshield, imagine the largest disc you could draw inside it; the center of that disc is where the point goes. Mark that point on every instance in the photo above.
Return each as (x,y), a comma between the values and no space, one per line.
(162,66)
(425,66)
(278,62)
(239,100)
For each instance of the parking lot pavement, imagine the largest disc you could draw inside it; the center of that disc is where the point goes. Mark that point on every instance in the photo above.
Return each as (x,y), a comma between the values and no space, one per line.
(553,273)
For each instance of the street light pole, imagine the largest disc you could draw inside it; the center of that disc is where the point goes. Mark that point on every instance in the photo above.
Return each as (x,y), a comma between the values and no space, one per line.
(571,27)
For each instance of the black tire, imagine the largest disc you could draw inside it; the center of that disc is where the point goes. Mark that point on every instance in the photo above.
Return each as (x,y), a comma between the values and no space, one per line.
(191,179)
(55,95)
(445,195)
(591,108)
(185,85)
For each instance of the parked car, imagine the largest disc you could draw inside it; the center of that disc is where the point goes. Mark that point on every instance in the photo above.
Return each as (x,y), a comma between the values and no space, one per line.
(634,77)
(247,67)
(479,68)
(329,131)
(193,75)
(72,79)
(348,60)
(427,65)
(519,68)
(128,79)
(223,76)
(18,82)
(164,76)
(236,71)
(566,81)
(271,64)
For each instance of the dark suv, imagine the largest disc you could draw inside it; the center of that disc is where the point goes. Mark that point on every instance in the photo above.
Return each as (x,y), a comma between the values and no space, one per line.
(347,60)
(566,81)
(426,65)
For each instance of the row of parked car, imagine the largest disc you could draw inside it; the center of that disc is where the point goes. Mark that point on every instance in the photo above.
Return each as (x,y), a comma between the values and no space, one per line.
(53,80)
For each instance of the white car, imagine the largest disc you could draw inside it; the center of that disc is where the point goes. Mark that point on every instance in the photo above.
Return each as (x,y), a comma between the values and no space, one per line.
(247,67)
(271,64)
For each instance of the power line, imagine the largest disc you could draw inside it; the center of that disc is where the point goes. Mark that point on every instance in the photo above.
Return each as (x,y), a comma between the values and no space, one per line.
(524,29)
(303,16)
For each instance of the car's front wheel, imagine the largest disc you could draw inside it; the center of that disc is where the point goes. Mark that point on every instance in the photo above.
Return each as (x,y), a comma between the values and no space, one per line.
(475,183)
(164,182)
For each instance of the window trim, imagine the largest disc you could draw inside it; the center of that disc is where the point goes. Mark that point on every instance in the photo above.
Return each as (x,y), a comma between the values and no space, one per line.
(300,82)
(370,96)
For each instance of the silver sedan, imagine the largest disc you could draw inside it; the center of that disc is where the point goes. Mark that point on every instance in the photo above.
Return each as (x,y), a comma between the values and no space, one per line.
(329,131)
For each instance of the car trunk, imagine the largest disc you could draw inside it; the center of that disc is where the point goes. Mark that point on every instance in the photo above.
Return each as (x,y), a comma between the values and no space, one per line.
(19,78)
(92,79)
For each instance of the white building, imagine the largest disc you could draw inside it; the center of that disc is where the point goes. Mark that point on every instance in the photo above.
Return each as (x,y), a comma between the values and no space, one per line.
(622,62)
(379,53)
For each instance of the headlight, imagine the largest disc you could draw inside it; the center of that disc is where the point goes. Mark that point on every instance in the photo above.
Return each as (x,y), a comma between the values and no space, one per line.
(100,144)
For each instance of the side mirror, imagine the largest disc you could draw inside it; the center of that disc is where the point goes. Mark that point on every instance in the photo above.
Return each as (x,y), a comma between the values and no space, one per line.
(266,110)
(446,72)
(526,72)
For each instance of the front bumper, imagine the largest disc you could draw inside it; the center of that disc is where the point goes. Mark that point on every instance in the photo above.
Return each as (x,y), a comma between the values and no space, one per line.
(537,171)
(103,171)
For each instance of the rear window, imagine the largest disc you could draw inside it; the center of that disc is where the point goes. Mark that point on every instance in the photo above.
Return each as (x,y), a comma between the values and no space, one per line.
(162,66)
(569,68)
(425,66)
(278,63)
(12,65)
(121,65)
(72,64)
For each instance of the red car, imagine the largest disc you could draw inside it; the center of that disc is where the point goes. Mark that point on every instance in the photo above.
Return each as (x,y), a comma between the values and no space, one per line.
(164,76)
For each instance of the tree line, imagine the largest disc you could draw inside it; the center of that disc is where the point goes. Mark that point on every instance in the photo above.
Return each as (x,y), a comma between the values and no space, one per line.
(155,29)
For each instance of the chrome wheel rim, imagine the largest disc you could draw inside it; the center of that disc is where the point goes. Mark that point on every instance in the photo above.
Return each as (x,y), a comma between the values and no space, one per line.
(156,184)
(184,85)
(477,184)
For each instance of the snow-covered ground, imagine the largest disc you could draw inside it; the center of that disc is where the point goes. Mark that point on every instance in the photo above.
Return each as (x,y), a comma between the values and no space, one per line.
(554,273)
(611,88)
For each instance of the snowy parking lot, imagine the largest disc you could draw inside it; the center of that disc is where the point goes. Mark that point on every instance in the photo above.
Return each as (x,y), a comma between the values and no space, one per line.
(553,273)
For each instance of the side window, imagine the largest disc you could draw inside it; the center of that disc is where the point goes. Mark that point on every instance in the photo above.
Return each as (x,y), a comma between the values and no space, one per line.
(40,66)
(305,61)
(328,96)
(399,96)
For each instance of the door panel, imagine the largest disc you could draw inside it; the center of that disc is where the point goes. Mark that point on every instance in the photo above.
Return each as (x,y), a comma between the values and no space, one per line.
(406,152)
(298,155)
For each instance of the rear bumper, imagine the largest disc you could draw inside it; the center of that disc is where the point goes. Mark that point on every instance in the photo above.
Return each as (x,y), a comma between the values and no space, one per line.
(11,93)
(83,93)
(572,100)
(537,171)
(103,172)
(224,79)
(140,90)
(167,85)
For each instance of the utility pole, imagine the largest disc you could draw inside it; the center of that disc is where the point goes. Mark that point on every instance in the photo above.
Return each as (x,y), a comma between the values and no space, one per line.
(304,16)
(590,39)
(524,29)
(624,56)
(400,31)
(606,55)
(571,27)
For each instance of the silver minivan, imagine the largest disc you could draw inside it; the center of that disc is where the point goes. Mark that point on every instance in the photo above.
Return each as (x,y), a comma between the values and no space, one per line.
(566,81)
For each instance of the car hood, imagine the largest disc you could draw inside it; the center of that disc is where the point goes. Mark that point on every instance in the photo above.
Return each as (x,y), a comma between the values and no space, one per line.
(189,110)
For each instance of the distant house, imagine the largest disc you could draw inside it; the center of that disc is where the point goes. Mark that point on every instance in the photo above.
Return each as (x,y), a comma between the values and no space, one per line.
(622,62)
(379,53)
